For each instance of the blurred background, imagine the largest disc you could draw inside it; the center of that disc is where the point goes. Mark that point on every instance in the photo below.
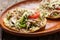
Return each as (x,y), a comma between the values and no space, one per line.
(6,3)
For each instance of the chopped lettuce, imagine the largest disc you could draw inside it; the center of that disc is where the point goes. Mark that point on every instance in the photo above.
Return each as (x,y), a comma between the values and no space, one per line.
(22,21)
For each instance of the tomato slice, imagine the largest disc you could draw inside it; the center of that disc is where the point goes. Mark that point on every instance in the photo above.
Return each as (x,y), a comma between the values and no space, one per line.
(57,8)
(35,15)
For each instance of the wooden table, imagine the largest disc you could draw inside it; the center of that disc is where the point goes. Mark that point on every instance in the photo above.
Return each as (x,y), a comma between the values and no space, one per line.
(55,36)
(6,36)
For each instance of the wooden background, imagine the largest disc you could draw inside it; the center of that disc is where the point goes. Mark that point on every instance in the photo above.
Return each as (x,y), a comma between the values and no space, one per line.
(5,36)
